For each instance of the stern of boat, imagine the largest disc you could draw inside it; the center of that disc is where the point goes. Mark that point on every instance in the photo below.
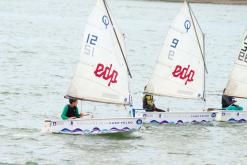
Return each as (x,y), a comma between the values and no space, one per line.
(231,116)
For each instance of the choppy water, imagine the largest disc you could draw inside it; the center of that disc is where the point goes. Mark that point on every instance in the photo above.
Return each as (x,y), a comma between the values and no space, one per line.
(39,47)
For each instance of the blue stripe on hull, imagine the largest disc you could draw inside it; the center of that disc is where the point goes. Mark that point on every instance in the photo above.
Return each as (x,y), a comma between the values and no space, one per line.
(95,130)
(232,120)
(178,122)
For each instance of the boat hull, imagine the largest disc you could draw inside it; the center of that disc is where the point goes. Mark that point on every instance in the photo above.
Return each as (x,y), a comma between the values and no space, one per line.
(231,116)
(176,117)
(94,126)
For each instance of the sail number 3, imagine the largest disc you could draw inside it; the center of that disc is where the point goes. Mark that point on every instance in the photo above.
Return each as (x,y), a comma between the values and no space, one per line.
(106,73)
(184,73)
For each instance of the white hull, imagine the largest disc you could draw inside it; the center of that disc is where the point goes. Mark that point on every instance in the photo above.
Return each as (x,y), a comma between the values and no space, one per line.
(231,116)
(176,117)
(94,126)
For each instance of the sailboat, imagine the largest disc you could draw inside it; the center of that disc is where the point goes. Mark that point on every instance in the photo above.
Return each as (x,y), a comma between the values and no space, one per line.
(102,75)
(180,70)
(237,85)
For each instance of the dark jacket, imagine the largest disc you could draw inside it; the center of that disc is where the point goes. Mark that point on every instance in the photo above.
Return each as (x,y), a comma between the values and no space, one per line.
(227,101)
(69,111)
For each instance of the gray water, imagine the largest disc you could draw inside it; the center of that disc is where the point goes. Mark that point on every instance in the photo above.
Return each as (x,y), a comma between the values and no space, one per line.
(39,48)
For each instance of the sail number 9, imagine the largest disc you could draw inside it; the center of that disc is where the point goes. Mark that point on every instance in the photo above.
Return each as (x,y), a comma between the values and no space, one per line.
(173,45)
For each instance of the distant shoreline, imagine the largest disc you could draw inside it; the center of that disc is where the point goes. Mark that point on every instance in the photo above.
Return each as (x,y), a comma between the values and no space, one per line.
(235,2)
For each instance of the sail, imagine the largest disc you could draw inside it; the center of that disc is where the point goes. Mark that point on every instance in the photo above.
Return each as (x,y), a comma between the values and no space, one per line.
(180,69)
(237,83)
(102,72)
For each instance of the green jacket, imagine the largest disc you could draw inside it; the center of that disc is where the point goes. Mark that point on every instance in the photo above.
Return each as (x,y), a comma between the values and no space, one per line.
(65,111)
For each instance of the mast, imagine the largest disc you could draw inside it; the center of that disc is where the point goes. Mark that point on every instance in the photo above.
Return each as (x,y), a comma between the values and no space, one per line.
(204,91)
(117,39)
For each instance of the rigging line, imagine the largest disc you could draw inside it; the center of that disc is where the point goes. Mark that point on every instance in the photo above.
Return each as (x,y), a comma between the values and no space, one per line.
(117,40)
(204,73)
(190,11)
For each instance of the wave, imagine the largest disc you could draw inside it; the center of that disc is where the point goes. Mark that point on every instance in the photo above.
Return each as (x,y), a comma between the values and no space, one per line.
(178,122)
(239,121)
(94,130)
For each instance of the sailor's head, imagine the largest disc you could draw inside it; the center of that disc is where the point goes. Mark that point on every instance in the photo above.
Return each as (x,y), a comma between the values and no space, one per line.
(145,88)
(144,92)
(73,102)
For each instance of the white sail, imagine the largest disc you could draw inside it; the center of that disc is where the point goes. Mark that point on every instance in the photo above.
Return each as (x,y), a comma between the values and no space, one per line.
(237,83)
(102,73)
(180,69)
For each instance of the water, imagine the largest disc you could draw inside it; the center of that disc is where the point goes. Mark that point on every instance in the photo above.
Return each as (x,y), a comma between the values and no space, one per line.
(40,45)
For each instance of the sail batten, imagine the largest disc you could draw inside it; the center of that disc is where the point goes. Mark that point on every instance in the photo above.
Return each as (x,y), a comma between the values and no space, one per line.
(102,72)
(180,69)
(95,100)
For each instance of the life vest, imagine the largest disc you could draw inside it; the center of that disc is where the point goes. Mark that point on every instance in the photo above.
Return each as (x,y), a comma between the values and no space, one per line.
(71,111)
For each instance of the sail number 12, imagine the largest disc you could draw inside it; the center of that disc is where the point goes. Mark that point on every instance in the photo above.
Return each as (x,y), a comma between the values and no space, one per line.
(92,39)
(90,43)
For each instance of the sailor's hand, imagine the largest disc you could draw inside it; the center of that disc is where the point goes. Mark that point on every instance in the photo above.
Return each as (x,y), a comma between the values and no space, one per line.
(72,118)
(84,114)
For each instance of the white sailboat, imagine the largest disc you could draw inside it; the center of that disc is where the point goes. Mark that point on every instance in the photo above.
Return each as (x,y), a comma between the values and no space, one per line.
(180,70)
(237,85)
(102,75)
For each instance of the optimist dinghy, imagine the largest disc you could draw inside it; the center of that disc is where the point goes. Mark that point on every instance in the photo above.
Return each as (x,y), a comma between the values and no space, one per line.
(236,86)
(180,70)
(102,75)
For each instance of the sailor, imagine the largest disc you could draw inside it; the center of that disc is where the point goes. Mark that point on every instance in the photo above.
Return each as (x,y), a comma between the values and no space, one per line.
(148,104)
(228,103)
(70,111)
